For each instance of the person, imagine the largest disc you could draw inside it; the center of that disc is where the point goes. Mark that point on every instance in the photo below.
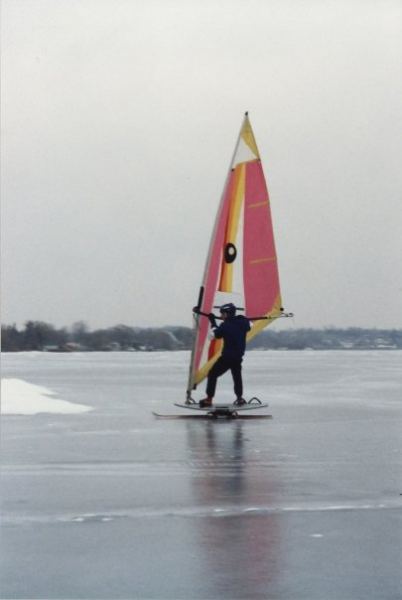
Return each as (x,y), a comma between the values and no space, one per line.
(233,330)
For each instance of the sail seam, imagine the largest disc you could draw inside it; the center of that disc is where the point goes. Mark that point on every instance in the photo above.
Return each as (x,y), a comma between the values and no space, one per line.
(258,204)
(258,261)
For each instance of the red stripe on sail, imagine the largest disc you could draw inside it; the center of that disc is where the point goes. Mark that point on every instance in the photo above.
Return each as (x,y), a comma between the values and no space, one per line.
(260,270)
(213,270)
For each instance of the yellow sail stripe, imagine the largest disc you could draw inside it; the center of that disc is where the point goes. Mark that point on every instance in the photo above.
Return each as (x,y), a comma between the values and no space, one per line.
(248,137)
(273,314)
(233,225)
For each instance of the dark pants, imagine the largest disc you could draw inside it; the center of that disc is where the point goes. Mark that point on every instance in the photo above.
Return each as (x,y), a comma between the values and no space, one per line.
(220,367)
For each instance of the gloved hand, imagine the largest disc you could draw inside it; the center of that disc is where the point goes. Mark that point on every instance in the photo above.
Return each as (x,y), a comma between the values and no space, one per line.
(211,318)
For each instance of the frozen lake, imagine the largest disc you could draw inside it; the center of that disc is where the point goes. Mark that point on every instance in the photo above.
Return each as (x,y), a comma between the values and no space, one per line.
(114,503)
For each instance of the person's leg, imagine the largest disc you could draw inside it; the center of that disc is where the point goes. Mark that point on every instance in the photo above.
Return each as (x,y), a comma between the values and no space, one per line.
(237,378)
(219,368)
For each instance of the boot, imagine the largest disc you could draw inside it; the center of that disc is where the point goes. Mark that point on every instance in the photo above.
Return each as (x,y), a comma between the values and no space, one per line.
(205,402)
(239,401)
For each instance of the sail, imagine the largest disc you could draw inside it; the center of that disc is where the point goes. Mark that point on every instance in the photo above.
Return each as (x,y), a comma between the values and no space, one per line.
(241,265)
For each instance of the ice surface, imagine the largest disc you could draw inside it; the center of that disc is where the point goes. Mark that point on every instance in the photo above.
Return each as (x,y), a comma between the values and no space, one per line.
(114,503)
(19,397)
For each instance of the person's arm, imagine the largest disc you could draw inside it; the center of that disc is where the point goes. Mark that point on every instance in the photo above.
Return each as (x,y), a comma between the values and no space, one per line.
(217,330)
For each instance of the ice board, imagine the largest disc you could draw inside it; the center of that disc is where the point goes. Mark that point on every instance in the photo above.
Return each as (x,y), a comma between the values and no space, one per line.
(229,408)
(212,415)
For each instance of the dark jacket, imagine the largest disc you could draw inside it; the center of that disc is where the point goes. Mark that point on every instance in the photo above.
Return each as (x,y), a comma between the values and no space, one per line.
(233,331)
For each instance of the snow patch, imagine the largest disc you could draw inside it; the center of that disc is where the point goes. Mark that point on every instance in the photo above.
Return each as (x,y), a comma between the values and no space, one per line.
(19,397)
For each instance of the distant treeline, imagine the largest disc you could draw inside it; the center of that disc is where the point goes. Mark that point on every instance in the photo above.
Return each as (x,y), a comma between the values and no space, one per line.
(40,336)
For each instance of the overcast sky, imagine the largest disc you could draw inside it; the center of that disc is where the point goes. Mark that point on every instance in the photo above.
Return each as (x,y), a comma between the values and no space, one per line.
(119,119)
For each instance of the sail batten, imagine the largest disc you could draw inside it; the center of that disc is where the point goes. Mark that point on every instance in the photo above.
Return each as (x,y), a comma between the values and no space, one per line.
(241,265)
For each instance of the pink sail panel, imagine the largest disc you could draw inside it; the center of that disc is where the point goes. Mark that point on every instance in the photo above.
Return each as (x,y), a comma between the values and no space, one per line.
(260,269)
